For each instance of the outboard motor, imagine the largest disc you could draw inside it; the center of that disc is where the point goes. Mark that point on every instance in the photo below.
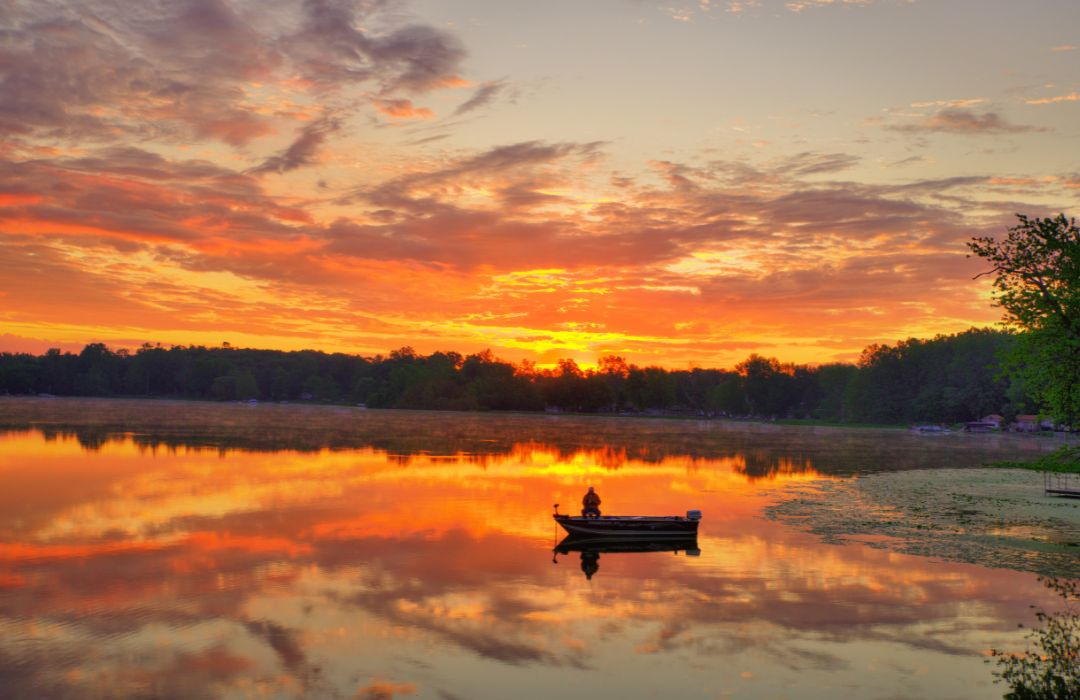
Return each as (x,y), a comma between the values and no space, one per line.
(693,515)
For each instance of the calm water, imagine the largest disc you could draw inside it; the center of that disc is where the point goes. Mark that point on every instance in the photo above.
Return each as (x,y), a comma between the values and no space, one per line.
(136,565)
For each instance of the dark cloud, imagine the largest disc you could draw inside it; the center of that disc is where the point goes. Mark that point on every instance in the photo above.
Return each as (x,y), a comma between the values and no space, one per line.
(331,49)
(481,97)
(429,139)
(509,164)
(963,121)
(177,69)
(424,57)
(288,646)
(137,196)
(302,151)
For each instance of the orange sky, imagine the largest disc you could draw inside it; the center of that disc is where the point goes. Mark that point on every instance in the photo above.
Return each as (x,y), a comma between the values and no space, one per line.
(704,181)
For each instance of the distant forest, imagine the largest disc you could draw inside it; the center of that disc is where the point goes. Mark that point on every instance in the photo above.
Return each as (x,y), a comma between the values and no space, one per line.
(950,378)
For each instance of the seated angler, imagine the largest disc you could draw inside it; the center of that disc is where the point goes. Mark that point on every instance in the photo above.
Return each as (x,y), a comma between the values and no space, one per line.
(591,501)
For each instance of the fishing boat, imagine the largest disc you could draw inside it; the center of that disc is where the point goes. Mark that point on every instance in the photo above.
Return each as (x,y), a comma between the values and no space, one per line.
(631,525)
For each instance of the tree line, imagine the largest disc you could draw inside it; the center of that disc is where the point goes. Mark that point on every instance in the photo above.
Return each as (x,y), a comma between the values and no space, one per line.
(949,378)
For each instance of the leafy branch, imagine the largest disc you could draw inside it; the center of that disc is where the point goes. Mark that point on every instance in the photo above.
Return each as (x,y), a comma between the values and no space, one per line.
(1049,669)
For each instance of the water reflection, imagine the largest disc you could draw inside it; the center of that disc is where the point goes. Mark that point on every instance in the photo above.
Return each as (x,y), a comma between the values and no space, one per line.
(763,449)
(591,548)
(140,568)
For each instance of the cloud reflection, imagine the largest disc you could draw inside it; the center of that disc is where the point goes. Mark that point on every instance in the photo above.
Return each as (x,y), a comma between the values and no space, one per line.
(328,572)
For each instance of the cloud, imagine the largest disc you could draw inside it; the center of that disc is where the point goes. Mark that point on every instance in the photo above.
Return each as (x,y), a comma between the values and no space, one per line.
(737,6)
(303,151)
(818,163)
(187,246)
(1071,97)
(383,690)
(510,172)
(689,11)
(401,109)
(910,160)
(183,69)
(954,104)
(483,95)
(963,121)
(800,5)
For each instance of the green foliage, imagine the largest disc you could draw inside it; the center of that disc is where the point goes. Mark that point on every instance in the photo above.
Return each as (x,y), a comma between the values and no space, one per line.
(1065,460)
(945,379)
(1036,270)
(728,396)
(949,379)
(1049,669)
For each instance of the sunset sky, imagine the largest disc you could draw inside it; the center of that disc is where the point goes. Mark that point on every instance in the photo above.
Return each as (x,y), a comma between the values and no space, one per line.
(679,183)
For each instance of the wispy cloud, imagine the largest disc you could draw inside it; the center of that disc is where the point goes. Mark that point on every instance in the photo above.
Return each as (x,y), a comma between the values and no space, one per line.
(809,163)
(963,121)
(483,95)
(303,151)
(737,6)
(954,104)
(1071,97)
(800,5)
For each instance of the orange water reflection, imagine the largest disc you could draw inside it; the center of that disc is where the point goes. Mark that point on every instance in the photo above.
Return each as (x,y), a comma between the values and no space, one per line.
(182,572)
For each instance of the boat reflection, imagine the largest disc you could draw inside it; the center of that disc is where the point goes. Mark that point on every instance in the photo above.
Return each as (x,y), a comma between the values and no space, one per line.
(592,547)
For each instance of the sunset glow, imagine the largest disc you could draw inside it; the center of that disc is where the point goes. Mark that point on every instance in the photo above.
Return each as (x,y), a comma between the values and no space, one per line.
(678,183)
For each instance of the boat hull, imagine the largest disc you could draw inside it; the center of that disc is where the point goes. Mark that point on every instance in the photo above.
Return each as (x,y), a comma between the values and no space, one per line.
(626,545)
(629,526)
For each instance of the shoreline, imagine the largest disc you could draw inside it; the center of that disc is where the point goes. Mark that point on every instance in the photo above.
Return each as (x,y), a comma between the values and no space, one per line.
(804,423)
(995,517)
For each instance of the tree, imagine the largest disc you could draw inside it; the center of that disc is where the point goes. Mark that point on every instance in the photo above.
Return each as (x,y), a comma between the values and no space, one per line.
(1050,670)
(1036,272)
(767,384)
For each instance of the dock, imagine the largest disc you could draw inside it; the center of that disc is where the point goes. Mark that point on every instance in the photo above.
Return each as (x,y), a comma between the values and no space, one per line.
(1061,484)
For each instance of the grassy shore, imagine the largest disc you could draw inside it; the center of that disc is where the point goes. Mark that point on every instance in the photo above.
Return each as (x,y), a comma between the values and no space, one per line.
(812,422)
(1064,460)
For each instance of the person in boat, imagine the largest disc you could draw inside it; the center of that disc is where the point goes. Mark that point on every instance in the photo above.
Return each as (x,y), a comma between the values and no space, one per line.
(591,501)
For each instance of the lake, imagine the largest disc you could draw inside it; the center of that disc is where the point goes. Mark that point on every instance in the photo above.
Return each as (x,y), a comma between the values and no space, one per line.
(187,550)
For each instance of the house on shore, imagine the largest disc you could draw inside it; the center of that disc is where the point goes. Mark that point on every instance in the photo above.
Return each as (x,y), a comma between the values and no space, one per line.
(1025,423)
(1028,423)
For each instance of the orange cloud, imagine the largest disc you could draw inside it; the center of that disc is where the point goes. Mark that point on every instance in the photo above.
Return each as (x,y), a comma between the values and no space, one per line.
(383,690)
(402,109)
(211,238)
(1071,97)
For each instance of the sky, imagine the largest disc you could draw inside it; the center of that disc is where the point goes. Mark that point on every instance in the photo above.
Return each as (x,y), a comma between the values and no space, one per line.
(679,183)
